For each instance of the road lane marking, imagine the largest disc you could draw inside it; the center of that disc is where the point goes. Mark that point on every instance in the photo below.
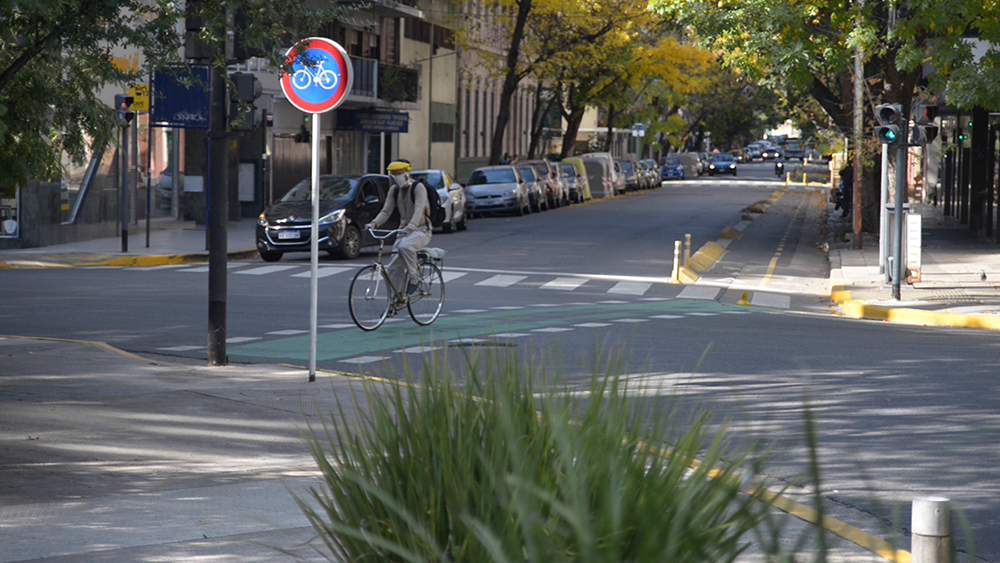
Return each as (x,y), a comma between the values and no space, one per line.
(502,280)
(320,272)
(699,292)
(772,300)
(265,270)
(630,288)
(564,284)
(781,245)
(449,275)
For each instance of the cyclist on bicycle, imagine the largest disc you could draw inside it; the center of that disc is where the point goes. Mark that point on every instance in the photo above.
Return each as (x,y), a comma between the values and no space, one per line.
(413,218)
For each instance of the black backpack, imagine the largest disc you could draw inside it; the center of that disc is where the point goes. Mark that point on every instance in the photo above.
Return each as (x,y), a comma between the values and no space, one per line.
(436,211)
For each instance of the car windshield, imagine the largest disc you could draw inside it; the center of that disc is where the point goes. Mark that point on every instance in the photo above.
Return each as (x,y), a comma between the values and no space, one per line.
(568,169)
(433,178)
(627,166)
(528,173)
(330,189)
(721,157)
(493,176)
(673,161)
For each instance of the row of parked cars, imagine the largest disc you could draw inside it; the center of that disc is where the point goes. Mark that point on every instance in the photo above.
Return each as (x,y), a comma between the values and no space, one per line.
(349,201)
(537,185)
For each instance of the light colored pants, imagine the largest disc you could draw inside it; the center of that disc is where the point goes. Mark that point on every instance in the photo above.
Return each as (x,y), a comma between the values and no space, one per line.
(405,260)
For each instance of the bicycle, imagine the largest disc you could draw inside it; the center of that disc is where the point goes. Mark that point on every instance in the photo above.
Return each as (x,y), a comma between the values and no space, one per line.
(373,297)
(324,78)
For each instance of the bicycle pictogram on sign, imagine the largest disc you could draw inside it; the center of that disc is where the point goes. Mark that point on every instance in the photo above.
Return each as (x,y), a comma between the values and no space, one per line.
(320,78)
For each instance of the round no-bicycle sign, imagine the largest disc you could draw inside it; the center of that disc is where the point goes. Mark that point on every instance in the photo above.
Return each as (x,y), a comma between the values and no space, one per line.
(321,77)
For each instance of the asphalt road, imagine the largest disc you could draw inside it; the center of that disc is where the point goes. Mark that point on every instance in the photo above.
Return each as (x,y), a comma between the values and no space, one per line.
(901,411)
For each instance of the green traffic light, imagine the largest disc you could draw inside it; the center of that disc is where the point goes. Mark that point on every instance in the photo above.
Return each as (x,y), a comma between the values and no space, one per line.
(890,135)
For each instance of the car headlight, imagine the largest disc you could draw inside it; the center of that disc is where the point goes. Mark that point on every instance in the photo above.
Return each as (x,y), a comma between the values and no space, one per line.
(262,220)
(510,193)
(332,217)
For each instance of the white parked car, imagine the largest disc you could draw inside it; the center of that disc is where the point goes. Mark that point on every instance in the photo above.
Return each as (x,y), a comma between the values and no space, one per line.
(452,197)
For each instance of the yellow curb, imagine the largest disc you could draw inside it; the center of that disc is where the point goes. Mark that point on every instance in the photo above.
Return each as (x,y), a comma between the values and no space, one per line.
(917,317)
(95,343)
(706,257)
(150,260)
(730,233)
(687,275)
(840,296)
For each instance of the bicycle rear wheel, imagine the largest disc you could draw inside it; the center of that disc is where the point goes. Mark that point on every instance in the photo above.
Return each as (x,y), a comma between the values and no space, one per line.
(369,298)
(425,304)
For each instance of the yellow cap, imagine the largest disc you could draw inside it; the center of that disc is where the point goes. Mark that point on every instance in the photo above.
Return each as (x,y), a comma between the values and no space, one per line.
(398,166)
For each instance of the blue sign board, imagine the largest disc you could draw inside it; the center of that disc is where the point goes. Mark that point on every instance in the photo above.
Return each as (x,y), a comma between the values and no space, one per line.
(181,97)
(373,121)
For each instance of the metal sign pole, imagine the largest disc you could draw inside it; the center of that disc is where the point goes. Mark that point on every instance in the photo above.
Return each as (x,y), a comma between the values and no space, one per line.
(314,250)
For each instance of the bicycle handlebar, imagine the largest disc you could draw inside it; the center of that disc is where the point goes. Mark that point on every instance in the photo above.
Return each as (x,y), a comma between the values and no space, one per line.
(388,233)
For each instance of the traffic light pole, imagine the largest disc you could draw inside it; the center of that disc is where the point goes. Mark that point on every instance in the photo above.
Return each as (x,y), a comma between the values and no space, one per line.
(897,235)
(123,161)
(218,218)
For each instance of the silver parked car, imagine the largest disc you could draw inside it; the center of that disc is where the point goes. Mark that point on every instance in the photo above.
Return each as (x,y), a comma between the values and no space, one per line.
(494,189)
(537,187)
(452,196)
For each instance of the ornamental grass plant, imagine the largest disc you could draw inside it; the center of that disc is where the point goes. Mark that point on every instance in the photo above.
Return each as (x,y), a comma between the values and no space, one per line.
(495,463)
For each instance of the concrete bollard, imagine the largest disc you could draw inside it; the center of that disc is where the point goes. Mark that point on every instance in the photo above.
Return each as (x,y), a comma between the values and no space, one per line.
(931,524)
(687,249)
(675,277)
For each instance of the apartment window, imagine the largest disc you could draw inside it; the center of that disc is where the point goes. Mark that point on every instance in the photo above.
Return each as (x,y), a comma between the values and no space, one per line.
(442,132)
(444,37)
(418,30)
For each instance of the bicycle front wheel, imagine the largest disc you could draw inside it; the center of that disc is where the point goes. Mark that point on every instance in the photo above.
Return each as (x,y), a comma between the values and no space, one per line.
(369,298)
(425,304)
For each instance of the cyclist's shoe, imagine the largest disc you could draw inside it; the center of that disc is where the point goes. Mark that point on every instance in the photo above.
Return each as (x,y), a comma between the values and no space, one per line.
(412,288)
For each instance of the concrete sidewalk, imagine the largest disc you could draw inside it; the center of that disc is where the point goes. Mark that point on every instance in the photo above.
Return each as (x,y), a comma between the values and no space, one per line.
(170,242)
(958,286)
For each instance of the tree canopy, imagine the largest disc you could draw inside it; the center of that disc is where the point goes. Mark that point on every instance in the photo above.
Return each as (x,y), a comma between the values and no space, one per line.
(56,56)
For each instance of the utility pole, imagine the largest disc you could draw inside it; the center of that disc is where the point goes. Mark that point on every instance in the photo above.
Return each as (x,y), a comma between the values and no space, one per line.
(859,112)
(218,216)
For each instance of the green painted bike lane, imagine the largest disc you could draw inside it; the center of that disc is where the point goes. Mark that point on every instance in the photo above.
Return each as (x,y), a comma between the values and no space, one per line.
(352,342)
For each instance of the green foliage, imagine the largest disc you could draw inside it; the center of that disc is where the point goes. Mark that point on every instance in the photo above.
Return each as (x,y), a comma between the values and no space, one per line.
(497,469)
(56,56)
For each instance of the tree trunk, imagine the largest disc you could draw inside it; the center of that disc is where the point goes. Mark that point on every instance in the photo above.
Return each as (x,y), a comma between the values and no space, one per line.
(572,128)
(537,113)
(510,81)
(611,127)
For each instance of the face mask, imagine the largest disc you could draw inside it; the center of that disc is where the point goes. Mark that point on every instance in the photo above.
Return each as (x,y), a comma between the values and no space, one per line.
(400,179)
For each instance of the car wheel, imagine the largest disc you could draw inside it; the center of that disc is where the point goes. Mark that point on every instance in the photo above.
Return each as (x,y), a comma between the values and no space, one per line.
(464,223)
(450,225)
(270,255)
(350,245)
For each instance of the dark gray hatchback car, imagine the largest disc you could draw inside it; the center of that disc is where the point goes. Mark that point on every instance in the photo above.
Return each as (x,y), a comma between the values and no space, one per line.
(347,203)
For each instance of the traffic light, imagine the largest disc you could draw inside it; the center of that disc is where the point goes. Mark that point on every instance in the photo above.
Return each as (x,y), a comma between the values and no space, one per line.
(888,134)
(242,113)
(923,134)
(122,103)
(924,114)
(888,131)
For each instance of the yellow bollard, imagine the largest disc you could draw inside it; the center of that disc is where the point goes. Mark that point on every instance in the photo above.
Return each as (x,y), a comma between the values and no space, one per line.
(743,300)
(687,249)
(805,178)
(676,276)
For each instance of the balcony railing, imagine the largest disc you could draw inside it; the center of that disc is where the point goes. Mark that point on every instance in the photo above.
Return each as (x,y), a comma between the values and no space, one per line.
(376,79)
